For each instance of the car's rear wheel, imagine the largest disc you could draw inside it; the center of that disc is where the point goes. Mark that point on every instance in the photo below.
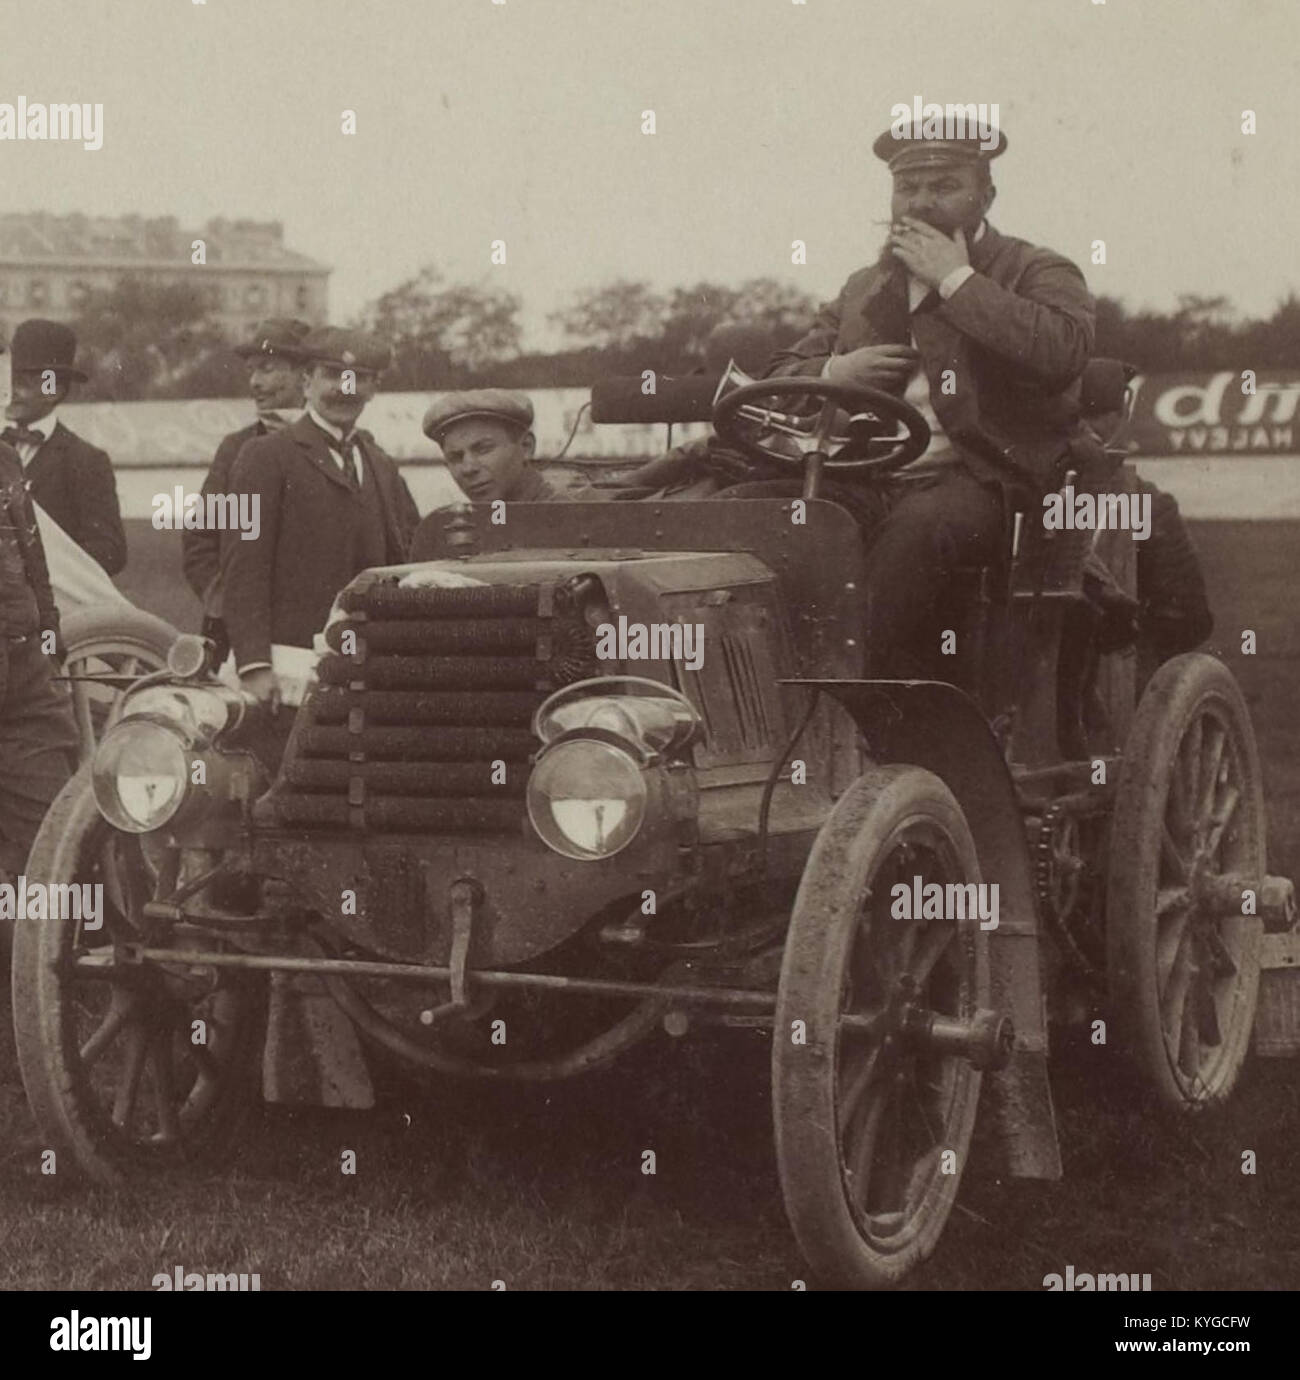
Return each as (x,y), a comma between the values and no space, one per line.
(873,1115)
(129,1064)
(1188,831)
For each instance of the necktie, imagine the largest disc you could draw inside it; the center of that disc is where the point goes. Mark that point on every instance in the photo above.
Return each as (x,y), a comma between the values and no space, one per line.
(346,450)
(21,436)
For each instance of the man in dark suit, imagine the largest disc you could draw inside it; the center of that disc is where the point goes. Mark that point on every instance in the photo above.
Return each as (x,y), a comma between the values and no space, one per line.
(38,737)
(987,336)
(331,505)
(70,479)
(275,379)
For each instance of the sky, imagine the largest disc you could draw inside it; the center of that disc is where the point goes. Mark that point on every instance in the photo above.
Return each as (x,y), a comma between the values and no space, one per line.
(478,121)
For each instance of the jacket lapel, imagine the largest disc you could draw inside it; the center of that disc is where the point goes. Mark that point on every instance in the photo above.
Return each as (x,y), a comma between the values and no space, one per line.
(44,466)
(379,474)
(311,440)
(884,305)
(943,347)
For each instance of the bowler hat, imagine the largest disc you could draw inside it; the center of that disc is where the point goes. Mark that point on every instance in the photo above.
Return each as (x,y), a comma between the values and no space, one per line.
(278,335)
(39,345)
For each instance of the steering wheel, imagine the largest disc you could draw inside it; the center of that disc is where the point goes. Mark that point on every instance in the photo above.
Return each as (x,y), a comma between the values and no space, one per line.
(810,441)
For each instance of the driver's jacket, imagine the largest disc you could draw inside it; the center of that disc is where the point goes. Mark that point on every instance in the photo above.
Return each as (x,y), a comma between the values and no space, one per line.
(1016,335)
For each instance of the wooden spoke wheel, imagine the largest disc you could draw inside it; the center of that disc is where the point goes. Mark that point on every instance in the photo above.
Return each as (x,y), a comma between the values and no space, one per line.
(1187,838)
(109,640)
(874,1113)
(127,1064)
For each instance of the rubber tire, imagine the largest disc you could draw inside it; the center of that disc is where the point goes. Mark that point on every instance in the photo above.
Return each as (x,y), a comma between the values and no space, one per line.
(49,1075)
(846,853)
(1175,694)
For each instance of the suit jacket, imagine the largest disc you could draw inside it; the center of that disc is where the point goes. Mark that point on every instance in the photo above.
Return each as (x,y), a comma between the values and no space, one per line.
(26,600)
(280,587)
(1016,335)
(201,547)
(73,481)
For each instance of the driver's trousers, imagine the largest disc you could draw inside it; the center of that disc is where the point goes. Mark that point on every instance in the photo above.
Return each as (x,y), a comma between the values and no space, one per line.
(954,521)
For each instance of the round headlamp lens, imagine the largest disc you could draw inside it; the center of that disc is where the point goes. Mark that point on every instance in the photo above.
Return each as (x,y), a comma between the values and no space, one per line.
(140,776)
(586,799)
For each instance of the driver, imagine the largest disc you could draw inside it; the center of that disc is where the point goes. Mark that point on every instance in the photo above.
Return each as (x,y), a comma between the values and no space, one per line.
(987,336)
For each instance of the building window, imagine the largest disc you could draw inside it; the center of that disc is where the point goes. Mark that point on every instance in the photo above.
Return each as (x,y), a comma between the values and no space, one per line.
(303,297)
(77,293)
(255,295)
(38,292)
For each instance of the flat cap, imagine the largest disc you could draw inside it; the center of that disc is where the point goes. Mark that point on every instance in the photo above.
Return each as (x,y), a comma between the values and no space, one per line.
(347,349)
(911,147)
(501,403)
(278,335)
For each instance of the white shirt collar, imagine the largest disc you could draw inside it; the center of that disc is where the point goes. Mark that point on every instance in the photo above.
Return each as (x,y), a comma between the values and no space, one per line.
(282,416)
(327,427)
(46,424)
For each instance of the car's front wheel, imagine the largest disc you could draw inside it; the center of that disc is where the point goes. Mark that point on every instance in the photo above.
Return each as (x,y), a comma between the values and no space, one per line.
(129,1062)
(878,1012)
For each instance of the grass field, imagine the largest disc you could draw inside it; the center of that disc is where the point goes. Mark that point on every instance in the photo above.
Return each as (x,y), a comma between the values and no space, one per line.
(459,1186)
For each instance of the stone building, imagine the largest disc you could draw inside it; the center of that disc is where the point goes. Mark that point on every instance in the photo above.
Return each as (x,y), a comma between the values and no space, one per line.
(49,263)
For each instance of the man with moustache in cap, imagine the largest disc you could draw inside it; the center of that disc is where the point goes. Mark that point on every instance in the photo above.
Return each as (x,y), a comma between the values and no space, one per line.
(276,366)
(1013,323)
(70,479)
(331,503)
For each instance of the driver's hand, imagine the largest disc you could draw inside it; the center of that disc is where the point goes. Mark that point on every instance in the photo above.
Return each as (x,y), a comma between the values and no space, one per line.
(262,684)
(874,366)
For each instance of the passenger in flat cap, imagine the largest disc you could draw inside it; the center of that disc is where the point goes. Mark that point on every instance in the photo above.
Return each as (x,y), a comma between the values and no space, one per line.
(486,437)
(332,504)
(276,376)
(487,440)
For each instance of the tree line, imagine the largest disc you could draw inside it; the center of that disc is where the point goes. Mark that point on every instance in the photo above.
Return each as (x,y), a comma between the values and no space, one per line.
(147,340)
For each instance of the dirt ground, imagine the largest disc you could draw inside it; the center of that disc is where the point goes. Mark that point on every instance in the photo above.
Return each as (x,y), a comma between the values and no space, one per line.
(460,1186)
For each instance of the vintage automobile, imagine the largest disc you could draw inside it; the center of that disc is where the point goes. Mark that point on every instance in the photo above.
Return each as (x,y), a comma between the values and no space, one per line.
(488,851)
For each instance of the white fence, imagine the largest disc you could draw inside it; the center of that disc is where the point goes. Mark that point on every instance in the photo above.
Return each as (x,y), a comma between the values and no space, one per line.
(156,445)
(163,434)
